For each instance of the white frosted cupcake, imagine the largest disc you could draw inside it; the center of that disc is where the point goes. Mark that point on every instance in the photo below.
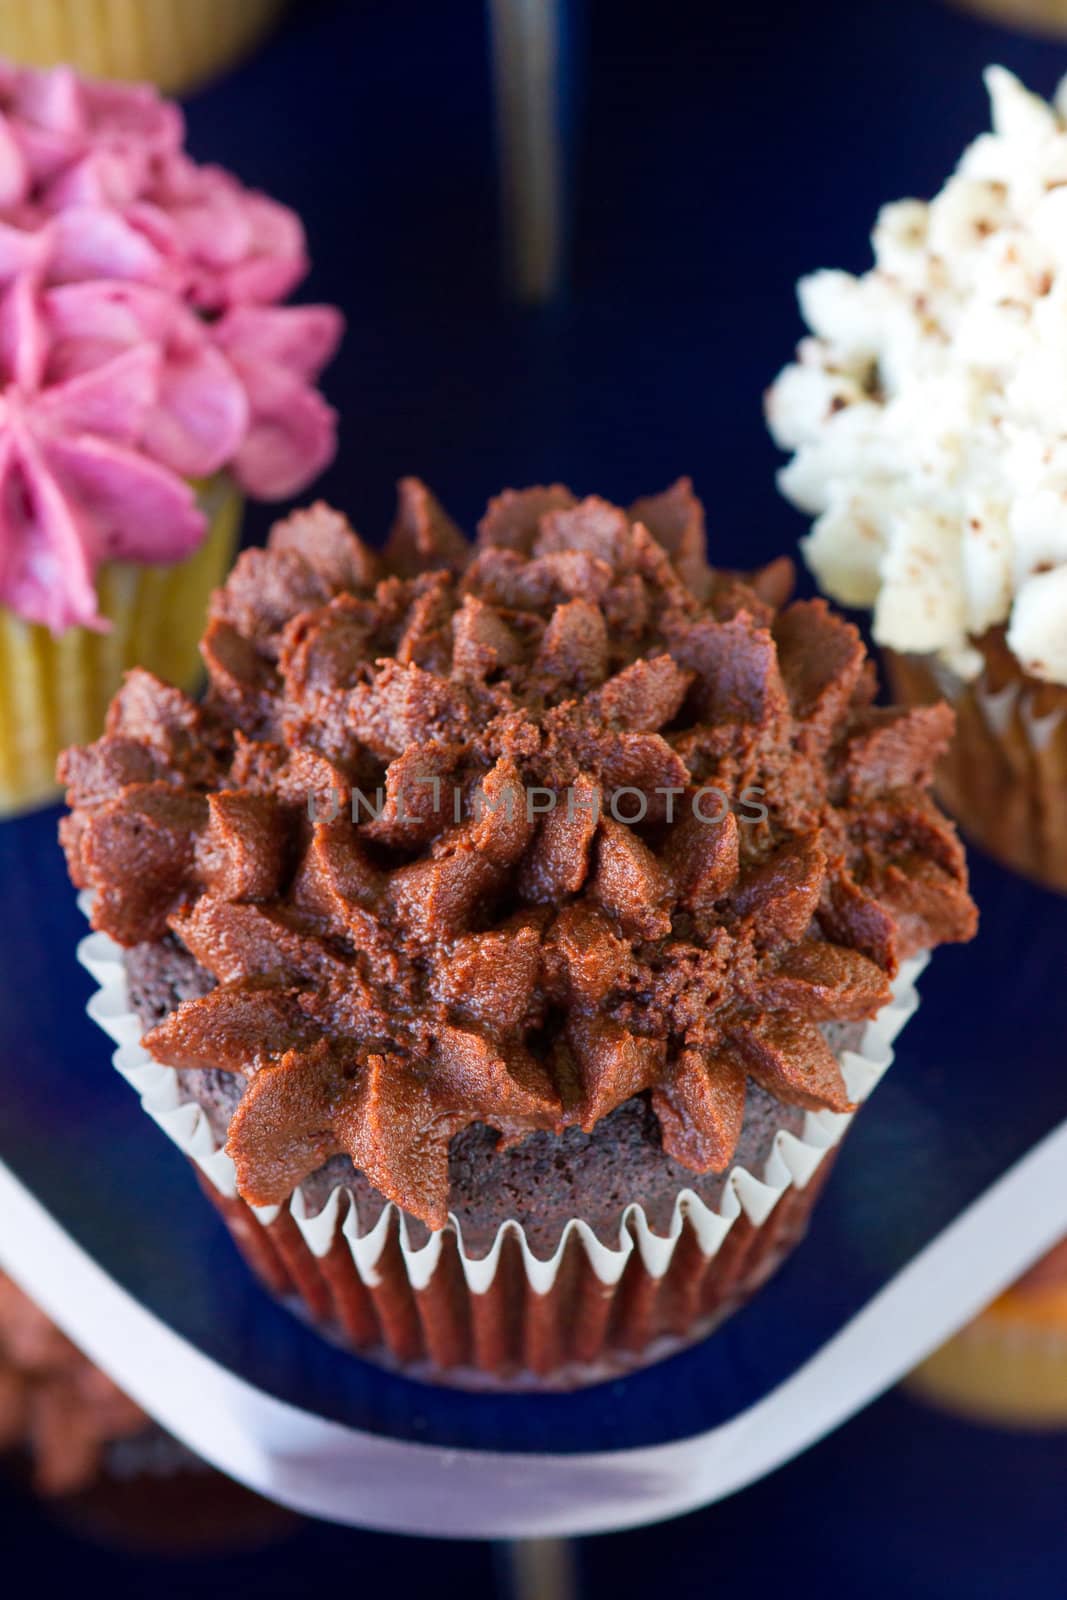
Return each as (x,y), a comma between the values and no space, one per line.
(927,416)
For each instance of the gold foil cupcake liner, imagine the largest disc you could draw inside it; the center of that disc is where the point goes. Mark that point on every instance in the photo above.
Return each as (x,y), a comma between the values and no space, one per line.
(172,43)
(55,691)
(1005,775)
(587,1312)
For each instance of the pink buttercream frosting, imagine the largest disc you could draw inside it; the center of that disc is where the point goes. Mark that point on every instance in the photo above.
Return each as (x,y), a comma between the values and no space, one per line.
(141,340)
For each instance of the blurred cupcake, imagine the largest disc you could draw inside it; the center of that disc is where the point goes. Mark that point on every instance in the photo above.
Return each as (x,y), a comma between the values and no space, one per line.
(174,44)
(105,1466)
(525,920)
(1009,1366)
(1029,16)
(926,413)
(148,378)
(54,1404)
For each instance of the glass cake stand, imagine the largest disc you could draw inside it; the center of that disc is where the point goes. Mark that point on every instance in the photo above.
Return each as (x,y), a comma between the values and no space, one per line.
(939,1199)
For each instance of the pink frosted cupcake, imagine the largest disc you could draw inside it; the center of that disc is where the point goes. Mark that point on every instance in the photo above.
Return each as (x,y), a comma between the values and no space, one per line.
(149,377)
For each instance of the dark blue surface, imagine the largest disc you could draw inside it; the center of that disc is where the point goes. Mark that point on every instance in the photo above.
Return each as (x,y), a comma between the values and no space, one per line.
(901,1504)
(719,155)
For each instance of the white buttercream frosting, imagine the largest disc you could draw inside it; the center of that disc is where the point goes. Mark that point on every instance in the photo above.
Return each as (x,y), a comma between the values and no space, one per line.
(927,411)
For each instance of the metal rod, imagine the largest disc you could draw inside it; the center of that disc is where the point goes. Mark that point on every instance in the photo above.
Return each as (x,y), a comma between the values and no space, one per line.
(539,1569)
(526,72)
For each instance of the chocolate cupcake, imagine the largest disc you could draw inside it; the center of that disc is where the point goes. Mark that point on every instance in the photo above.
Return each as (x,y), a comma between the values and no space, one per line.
(55,1406)
(70,1436)
(513,914)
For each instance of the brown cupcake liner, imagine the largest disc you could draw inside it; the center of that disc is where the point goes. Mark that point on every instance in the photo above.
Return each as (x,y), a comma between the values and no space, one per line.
(580,1331)
(433,1309)
(1004,777)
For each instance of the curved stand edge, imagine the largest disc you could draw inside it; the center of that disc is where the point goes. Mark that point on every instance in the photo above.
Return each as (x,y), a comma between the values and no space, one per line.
(342,1474)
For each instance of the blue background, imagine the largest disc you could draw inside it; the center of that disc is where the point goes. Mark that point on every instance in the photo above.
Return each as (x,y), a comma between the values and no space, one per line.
(715,154)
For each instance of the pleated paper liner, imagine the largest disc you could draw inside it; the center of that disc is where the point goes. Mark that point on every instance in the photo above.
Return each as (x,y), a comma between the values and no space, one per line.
(172,43)
(1005,776)
(54,691)
(588,1312)
(578,1331)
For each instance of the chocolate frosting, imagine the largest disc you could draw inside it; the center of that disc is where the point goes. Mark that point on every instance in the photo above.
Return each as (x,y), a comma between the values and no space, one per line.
(509,833)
